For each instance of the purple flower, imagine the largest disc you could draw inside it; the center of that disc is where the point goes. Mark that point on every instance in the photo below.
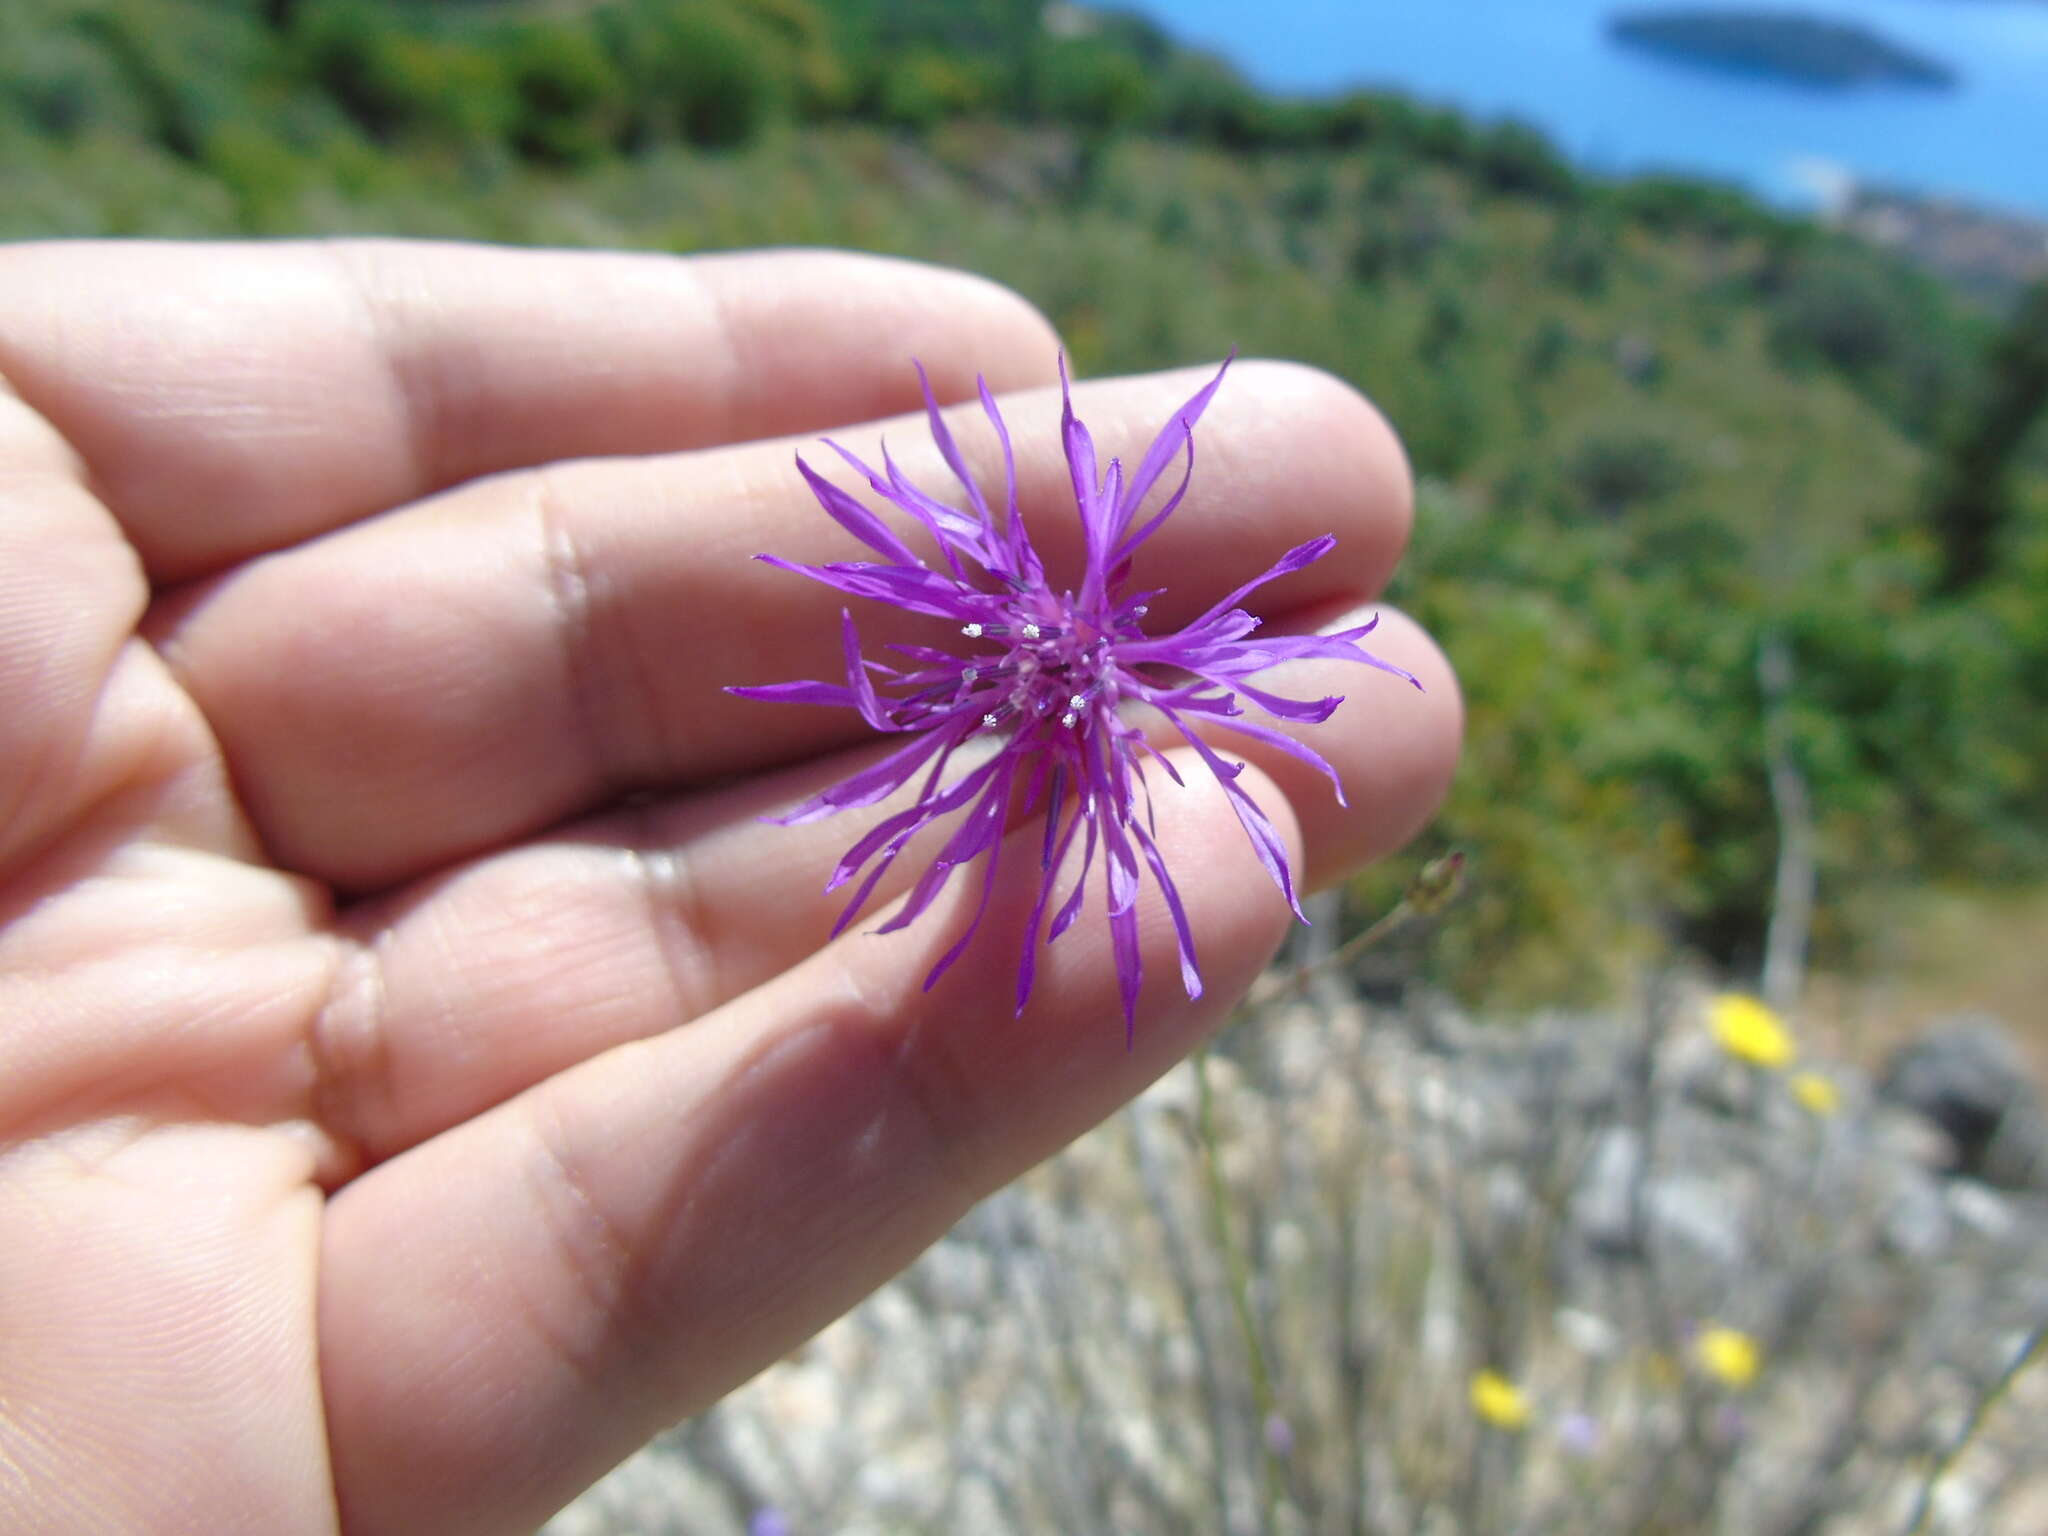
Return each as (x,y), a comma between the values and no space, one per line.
(1046,678)
(1579,1433)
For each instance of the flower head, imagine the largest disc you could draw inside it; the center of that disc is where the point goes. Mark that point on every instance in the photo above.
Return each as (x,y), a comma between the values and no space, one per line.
(1728,1355)
(1498,1401)
(1578,1433)
(1816,1093)
(1047,677)
(1749,1031)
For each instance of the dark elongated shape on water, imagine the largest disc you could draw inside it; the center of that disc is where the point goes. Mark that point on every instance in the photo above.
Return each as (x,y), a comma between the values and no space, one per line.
(1790,45)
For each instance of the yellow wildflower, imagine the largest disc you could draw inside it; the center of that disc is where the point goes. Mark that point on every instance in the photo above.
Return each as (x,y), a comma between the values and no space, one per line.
(1749,1031)
(1728,1355)
(1499,1401)
(1819,1094)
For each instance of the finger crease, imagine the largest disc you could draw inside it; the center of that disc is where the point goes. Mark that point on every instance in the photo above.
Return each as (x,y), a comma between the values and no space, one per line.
(678,920)
(595,1255)
(567,582)
(419,417)
(350,1046)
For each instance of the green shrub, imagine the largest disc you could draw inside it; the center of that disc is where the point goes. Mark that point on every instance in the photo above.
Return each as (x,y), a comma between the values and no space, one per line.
(1515,158)
(569,98)
(925,88)
(59,83)
(1092,85)
(1615,467)
(395,83)
(713,76)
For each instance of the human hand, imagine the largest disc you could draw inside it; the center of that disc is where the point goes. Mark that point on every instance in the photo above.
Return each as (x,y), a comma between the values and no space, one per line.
(421,1078)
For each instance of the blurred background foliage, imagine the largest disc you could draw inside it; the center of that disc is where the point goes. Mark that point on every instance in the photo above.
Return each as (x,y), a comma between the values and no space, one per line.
(1657,424)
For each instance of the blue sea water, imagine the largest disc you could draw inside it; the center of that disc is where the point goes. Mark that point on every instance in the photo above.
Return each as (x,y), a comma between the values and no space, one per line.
(1618,109)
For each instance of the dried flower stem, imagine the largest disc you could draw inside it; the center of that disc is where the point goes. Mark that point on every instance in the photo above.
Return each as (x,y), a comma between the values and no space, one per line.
(1240,1279)
(1433,888)
(2030,1350)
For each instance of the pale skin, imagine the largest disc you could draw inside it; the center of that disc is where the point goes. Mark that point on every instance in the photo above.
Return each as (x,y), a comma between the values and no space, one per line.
(422,1074)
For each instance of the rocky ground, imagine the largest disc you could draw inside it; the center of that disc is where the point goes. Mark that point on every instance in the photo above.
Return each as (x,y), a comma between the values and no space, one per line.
(1263,1309)
(1985,252)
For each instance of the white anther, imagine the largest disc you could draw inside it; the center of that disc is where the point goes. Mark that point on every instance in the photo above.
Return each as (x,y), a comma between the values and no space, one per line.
(1078,701)
(988,719)
(971,631)
(1030,631)
(1068,719)
(1140,611)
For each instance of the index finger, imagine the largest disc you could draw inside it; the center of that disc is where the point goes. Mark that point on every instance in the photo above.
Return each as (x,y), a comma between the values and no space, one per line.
(231,399)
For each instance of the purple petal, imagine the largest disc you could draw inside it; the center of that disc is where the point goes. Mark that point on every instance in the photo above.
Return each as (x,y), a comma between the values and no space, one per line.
(928,655)
(919,590)
(1271,650)
(798,693)
(900,827)
(950,450)
(1051,856)
(1309,711)
(1130,967)
(988,884)
(1071,908)
(1266,842)
(1220,637)
(862,686)
(877,781)
(1180,427)
(1184,934)
(1295,559)
(1292,747)
(855,518)
(949,527)
(1056,803)
(956,532)
(1080,451)
(978,830)
(1120,865)
(1024,562)
(1125,550)
(1163,761)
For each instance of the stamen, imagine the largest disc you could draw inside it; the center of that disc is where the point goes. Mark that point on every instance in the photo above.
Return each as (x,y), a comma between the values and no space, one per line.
(971,631)
(977,631)
(1030,631)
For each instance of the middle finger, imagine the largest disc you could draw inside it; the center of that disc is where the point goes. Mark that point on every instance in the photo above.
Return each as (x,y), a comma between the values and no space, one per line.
(478,667)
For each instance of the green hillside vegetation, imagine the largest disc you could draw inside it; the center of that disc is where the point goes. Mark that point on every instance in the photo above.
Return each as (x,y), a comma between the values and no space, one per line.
(1655,422)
